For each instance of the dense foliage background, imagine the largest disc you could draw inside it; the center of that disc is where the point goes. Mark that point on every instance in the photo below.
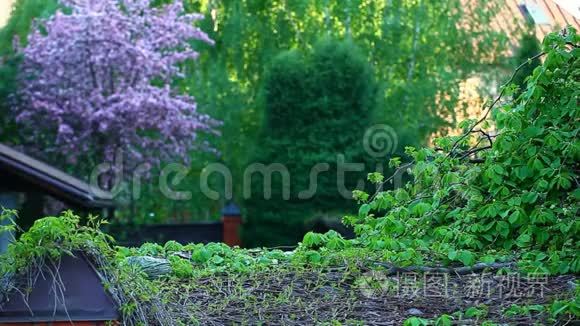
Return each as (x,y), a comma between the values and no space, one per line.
(420,52)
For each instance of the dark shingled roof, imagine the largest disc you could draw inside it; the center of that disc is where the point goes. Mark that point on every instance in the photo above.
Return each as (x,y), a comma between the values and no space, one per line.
(15,165)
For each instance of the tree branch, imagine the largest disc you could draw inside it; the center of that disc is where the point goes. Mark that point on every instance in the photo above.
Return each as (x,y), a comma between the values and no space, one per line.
(497,99)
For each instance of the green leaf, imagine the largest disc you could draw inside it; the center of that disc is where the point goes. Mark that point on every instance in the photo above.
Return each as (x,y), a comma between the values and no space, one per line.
(444,320)
(558,307)
(533,131)
(530,197)
(375,177)
(401,195)
(522,172)
(488,259)
(474,312)
(314,257)
(576,194)
(503,228)
(420,209)
(504,212)
(360,196)
(452,255)
(466,257)
(416,321)
(564,181)
(498,169)
(395,162)
(523,240)
(313,239)
(538,165)
(217,260)
(364,210)
(514,217)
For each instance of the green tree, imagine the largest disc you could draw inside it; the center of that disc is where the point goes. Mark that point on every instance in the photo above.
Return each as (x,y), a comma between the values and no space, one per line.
(318,105)
(420,52)
(16,31)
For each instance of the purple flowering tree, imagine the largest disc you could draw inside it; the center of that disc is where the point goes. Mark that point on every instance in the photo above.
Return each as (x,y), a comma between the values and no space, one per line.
(95,82)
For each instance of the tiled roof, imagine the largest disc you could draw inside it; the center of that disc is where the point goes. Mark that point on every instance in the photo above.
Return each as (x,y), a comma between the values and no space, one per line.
(547,16)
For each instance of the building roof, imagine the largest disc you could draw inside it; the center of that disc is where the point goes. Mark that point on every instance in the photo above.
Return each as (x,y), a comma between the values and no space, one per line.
(67,290)
(30,172)
(546,16)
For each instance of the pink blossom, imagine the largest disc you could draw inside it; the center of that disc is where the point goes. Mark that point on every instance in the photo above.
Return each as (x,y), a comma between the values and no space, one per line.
(88,80)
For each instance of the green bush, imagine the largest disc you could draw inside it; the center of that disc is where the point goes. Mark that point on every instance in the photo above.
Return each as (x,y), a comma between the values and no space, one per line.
(485,198)
(318,105)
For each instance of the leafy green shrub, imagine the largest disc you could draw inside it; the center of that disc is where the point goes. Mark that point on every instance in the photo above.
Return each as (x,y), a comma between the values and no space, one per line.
(50,237)
(516,192)
(318,105)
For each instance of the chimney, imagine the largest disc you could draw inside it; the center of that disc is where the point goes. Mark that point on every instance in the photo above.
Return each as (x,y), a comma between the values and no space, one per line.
(231,221)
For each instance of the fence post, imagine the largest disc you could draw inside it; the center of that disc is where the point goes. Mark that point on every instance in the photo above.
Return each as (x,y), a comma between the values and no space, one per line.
(232,221)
